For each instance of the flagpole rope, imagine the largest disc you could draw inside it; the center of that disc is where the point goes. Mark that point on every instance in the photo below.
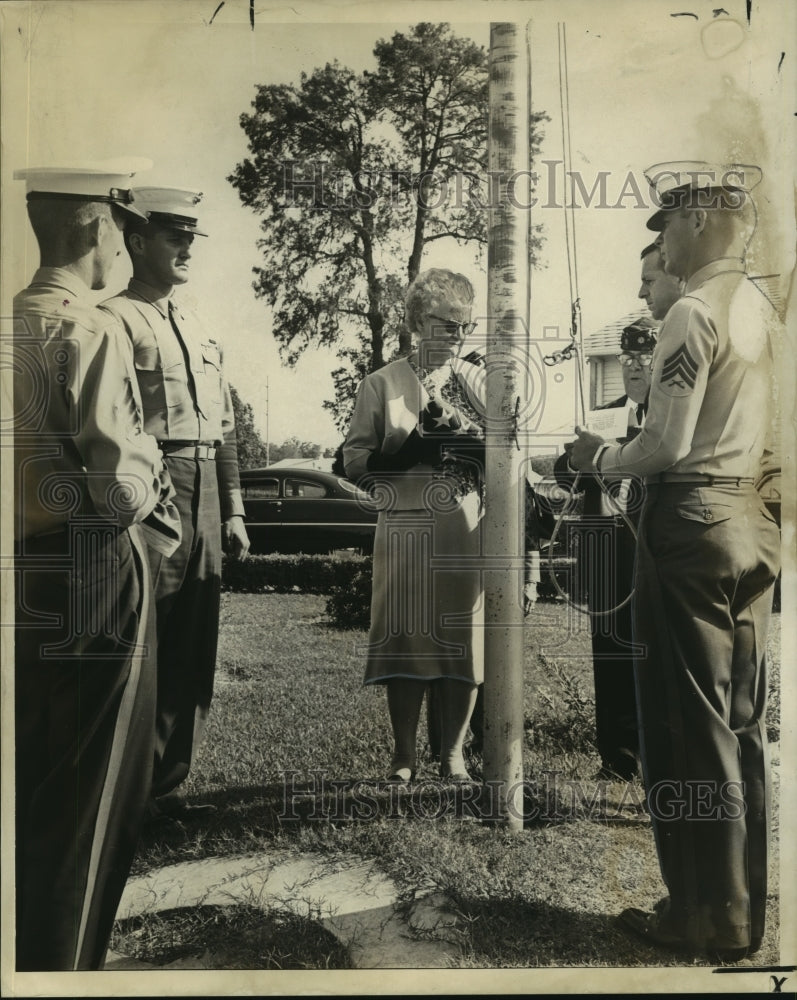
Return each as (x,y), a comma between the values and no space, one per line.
(576,331)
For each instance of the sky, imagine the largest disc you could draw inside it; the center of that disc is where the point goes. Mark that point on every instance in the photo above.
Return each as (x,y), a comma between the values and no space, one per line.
(168,80)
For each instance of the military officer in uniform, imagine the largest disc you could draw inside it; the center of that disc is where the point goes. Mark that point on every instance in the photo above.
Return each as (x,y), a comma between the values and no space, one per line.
(610,570)
(707,559)
(86,477)
(187,407)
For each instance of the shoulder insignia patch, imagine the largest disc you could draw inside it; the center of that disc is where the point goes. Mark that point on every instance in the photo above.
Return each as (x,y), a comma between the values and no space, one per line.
(679,372)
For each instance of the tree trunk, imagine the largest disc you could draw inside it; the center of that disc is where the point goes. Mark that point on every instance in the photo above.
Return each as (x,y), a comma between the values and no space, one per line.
(376,318)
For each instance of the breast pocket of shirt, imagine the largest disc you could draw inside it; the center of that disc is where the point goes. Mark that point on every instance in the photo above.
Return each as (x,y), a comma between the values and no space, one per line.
(161,385)
(209,376)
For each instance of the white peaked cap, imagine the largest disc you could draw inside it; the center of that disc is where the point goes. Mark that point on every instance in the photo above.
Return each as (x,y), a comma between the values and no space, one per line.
(99,180)
(171,206)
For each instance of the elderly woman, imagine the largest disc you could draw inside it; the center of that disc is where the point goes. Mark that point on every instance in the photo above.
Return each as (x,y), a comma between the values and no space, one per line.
(416,437)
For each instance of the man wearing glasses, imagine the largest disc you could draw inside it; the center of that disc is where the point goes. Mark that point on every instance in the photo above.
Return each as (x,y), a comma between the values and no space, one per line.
(609,581)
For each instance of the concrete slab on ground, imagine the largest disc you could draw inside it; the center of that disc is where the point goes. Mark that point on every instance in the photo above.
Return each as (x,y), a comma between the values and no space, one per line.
(358,903)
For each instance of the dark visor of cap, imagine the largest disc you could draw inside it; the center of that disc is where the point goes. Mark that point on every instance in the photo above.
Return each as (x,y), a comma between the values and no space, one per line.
(713,196)
(171,218)
(115,196)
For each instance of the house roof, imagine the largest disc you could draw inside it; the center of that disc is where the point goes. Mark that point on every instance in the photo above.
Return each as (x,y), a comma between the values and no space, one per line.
(606,341)
(322,464)
(770,285)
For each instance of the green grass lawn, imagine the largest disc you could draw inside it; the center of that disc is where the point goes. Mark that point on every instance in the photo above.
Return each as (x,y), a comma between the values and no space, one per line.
(290,715)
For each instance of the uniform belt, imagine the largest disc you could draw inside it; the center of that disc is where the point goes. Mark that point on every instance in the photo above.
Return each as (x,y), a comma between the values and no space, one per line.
(696,479)
(202,450)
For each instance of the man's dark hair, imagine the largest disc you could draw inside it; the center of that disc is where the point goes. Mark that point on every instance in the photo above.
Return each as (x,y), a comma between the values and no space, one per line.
(140,226)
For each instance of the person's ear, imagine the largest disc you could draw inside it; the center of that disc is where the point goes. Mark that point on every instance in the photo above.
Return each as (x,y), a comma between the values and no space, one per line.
(699,217)
(135,242)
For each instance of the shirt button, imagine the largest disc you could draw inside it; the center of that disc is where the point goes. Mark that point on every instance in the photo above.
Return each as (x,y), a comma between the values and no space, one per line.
(707,515)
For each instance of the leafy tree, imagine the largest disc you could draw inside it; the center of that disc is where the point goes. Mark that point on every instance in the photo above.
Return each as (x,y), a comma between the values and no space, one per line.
(251,448)
(294,448)
(353,175)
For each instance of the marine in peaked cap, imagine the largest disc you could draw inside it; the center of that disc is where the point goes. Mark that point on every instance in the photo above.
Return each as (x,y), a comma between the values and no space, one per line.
(188,408)
(694,184)
(106,181)
(85,476)
(175,208)
(707,559)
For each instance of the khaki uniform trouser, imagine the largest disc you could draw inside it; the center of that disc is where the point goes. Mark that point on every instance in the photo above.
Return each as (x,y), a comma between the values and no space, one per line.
(706,563)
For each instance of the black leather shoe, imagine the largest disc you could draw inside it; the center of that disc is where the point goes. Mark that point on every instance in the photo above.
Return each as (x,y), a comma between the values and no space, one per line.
(401,776)
(650,927)
(726,956)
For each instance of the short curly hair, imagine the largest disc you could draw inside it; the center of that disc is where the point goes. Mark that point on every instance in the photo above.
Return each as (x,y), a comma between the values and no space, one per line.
(431,289)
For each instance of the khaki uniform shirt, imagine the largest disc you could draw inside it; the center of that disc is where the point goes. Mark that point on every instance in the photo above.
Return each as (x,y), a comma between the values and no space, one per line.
(710,393)
(80,446)
(181,377)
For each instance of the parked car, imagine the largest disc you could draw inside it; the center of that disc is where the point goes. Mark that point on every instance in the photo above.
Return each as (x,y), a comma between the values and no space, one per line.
(306,510)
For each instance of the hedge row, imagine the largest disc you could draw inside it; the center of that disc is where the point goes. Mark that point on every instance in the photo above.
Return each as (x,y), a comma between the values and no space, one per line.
(285,574)
(345,580)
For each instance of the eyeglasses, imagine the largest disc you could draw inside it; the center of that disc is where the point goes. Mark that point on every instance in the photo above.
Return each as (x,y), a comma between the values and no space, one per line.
(451,326)
(641,359)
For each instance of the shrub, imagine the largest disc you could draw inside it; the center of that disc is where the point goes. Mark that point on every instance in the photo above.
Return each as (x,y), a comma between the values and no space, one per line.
(296,573)
(349,605)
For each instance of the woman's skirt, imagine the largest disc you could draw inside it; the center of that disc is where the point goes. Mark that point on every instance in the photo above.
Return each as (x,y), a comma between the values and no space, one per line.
(427,606)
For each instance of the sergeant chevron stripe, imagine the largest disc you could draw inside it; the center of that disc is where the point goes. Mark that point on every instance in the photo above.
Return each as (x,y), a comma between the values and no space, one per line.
(679,371)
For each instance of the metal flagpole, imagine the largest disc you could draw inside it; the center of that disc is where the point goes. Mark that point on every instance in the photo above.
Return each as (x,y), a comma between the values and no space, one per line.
(507,351)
